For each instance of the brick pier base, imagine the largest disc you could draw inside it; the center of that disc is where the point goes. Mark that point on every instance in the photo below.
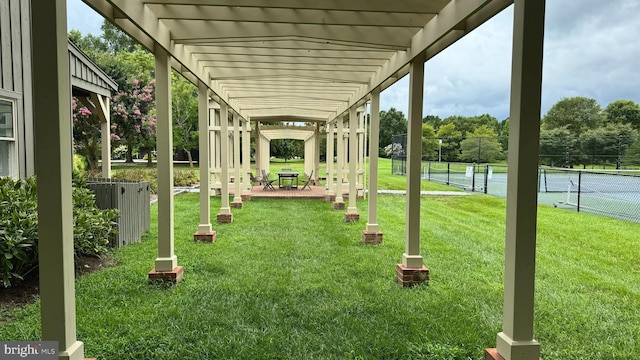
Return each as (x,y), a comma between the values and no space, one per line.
(370,238)
(224,218)
(174,276)
(236,205)
(351,217)
(205,238)
(329,198)
(246,197)
(492,354)
(411,276)
(338,205)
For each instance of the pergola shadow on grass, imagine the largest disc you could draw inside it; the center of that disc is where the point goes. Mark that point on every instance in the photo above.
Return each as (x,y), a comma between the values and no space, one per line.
(289,279)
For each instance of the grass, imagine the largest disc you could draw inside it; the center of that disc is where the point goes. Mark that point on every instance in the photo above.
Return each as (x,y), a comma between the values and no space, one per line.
(386,180)
(288,279)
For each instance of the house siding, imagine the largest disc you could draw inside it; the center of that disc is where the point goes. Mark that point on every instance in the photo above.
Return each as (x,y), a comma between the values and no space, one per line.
(15,76)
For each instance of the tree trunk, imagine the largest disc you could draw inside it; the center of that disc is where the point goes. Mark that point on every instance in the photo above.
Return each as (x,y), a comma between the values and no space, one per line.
(149,157)
(190,158)
(129,155)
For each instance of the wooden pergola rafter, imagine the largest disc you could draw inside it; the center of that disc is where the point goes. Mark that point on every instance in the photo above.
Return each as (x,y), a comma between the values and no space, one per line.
(301,61)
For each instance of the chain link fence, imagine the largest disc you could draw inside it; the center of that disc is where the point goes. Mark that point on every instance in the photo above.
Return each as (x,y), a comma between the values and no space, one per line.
(587,152)
(615,194)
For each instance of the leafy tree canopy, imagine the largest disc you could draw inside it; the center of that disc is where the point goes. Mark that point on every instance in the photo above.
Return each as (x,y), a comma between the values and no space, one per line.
(623,112)
(576,114)
(392,122)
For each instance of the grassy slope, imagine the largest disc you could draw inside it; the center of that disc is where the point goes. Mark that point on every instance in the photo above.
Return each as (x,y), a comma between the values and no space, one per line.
(288,279)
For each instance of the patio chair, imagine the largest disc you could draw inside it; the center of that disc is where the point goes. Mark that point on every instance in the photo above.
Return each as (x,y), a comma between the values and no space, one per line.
(268,184)
(254,179)
(309,180)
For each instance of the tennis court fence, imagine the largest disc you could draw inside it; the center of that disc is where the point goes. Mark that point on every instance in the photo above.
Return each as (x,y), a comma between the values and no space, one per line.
(613,193)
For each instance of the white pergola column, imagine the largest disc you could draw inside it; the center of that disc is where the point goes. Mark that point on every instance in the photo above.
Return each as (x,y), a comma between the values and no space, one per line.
(166,263)
(246,160)
(104,106)
(52,124)
(265,154)
(361,151)
(516,341)
(338,204)
(412,271)
(258,150)
(225,215)
(316,160)
(352,210)
(237,182)
(330,155)
(214,146)
(205,232)
(372,234)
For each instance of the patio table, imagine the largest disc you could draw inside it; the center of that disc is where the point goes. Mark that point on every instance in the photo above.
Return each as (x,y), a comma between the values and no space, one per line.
(290,175)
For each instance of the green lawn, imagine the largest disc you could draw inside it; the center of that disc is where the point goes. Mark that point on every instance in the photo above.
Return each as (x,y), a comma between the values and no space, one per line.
(289,280)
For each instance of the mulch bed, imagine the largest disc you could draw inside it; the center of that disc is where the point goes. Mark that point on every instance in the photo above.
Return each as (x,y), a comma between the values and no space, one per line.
(28,290)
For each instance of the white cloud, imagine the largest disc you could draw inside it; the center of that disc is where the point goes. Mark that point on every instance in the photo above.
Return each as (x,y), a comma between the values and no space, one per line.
(591,49)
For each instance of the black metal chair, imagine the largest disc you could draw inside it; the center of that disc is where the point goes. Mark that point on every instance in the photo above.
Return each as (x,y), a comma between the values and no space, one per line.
(309,180)
(268,184)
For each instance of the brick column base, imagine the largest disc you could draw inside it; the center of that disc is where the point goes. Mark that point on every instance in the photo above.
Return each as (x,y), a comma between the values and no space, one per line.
(224,218)
(351,217)
(338,205)
(492,354)
(329,198)
(174,276)
(371,237)
(246,197)
(205,238)
(236,205)
(411,276)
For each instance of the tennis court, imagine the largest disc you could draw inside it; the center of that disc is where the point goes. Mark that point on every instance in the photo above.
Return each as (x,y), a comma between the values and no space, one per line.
(614,194)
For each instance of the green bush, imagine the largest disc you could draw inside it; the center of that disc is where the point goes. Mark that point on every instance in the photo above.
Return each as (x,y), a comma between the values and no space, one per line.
(139,174)
(185,177)
(19,227)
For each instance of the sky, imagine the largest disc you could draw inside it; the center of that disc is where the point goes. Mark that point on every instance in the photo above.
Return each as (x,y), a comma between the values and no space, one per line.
(591,49)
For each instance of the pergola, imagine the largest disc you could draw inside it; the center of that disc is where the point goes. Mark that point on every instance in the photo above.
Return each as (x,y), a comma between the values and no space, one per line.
(288,60)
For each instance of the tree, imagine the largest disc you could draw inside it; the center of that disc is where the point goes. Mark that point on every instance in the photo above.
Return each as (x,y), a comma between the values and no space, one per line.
(481,146)
(392,122)
(558,147)
(623,112)
(429,143)
(86,133)
(184,106)
(468,124)
(287,148)
(116,40)
(632,155)
(434,120)
(608,144)
(451,138)
(576,114)
(133,118)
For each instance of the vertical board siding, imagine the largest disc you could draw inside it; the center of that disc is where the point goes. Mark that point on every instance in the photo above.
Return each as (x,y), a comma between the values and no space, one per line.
(16,46)
(28,160)
(6,68)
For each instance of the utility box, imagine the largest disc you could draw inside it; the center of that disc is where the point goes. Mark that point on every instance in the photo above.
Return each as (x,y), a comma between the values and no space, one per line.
(131,199)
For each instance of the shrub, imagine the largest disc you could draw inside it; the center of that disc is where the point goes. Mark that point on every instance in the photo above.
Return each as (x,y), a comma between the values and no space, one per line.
(139,174)
(19,227)
(185,177)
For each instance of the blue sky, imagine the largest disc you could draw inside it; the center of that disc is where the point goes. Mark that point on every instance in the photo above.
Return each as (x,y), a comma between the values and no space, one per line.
(591,49)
